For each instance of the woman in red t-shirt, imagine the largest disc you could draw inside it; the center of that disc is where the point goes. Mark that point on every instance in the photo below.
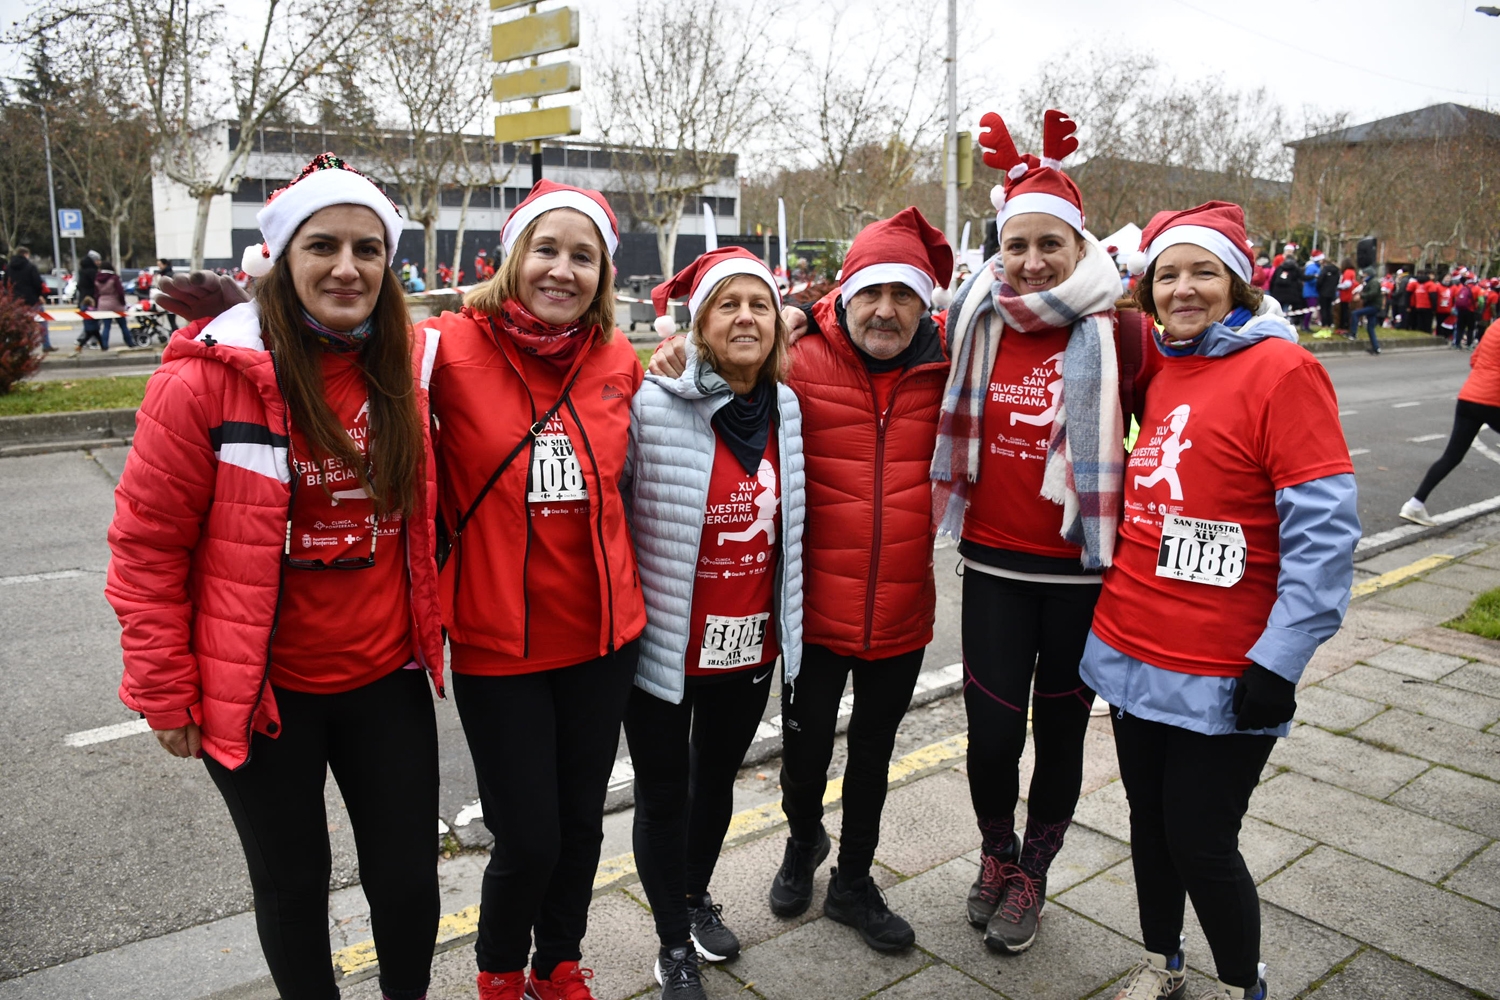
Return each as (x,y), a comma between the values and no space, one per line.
(1234,561)
(273,571)
(531,387)
(1033,329)
(717,499)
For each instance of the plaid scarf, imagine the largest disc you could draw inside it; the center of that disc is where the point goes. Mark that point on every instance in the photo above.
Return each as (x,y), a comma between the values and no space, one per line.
(1086,453)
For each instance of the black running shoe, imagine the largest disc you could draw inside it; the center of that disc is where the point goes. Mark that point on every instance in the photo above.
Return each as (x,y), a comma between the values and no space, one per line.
(677,971)
(792,888)
(985,893)
(713,939)
(1013,927)
(862,906)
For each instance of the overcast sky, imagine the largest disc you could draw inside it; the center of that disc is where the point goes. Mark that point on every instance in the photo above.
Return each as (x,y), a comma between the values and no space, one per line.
(1372,57)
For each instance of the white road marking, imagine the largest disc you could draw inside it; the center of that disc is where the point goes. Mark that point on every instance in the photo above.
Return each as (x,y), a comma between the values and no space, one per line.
(104,734)
(60,574)
(1486,450)
(1347,413)
(1447,517)
(1427,437)
(1402,406)
(1358,451)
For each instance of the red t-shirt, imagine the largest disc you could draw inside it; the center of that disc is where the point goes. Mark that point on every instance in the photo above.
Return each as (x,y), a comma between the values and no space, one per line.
(339,629)
(885,384)
(1444,299)
(1347,294)
(562,579)
(1195,566)
(1006,509)
(732,625)
(1419,297)
(1431,288)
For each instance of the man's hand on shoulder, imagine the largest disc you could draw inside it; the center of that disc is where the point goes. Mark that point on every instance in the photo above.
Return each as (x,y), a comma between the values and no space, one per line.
(197,295)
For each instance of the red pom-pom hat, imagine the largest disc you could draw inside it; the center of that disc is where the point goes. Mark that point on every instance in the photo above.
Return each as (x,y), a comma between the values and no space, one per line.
(1031,184)
(905,248)
(326,181)
(546,196)
(1216,226)
(697,281)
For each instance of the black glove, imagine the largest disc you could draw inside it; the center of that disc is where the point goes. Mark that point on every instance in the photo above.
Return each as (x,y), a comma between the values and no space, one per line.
(1262,699)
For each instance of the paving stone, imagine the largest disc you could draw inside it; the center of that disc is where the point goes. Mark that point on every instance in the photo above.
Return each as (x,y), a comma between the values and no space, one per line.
(1321,705)
(1465,708)
(1416,662)
(1347,647)
(1442,603)
(1456,798)
(1071,958)
(1448,640)
(1370,619)
(1474,579)
(938,981)
(1489,557)
(1344,761)
(1479,878)
(1106,811)
(1267,848)
(620,946)
(1084,854)
(1435,740)
(1408,842)
(822,961)
(1482,678)
(1430,927)
(1373,974)
(927,823)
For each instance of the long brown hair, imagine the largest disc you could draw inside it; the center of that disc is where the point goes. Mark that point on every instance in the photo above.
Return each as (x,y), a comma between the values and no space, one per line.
(774,368)
(395,447)
(488,297)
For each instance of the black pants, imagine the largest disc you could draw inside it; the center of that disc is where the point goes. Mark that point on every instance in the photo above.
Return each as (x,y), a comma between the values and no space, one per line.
(543,746)
(686,757)
(1014,631)
(882,693)
(1421,319)
(1325,310)
(1467,419)
(381,742)
(1464,334)
(1188,793)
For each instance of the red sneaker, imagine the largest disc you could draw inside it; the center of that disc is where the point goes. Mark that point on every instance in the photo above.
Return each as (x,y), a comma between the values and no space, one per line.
(502,985)
(569,982)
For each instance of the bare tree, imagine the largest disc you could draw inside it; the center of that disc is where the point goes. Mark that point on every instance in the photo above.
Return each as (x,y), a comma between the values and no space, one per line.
(688,90)
(23,180)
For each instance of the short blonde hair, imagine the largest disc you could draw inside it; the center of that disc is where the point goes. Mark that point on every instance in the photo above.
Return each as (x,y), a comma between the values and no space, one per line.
(490,296)
(774,368)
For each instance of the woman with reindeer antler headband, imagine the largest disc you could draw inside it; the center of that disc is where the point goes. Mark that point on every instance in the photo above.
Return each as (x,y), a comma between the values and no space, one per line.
(1027,475)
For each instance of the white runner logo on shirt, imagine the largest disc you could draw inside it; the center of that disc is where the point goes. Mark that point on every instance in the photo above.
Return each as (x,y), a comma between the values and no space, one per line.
(732,642)
(765,508)
(1054,388)
(1199,551)
(1167,446)
(555,472)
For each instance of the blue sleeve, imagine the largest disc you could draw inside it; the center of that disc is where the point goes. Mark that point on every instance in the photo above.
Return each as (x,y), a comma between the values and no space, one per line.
(1319,529)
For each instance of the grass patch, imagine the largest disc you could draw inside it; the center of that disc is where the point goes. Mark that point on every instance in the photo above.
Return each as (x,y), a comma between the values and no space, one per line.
(644,353)
(1482,618)
(1386,334)
(122,392)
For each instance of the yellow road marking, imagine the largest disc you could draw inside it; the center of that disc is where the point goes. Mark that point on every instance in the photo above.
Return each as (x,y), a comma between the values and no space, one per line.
(614,872)
(1396,576)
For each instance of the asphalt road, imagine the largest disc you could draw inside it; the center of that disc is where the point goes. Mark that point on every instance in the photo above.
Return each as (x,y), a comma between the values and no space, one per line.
(115,842)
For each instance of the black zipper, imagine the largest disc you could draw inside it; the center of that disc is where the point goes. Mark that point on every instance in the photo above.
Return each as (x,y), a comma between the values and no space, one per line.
(609,583)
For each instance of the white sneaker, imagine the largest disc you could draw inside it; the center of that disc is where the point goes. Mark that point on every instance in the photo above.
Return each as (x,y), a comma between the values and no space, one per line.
(1223,991)
(1415,511)
(1157,977)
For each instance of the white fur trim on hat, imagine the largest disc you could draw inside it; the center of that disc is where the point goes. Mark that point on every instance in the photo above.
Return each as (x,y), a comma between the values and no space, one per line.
(1046,204)
(665,325)
(1235,258)
(321,189)
(914,278)
(523,216)
(728,268)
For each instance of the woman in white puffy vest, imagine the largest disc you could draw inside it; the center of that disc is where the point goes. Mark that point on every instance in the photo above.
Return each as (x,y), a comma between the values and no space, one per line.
(715,488)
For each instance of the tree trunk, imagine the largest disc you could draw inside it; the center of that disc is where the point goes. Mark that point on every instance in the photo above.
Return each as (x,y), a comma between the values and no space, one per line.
(200,230)
(666,239)
(458,237)
(429,248)
(114,243)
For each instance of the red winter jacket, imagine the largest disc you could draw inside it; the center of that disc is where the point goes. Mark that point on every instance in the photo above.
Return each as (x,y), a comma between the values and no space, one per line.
(483,408)
(869,535)
(197,538)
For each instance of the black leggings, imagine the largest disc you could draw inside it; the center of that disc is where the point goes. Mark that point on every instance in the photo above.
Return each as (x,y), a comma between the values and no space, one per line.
(381,742)
(1467,419)
(543,746)
(686,757)
(1188,793)
(882,693)
(1014,630)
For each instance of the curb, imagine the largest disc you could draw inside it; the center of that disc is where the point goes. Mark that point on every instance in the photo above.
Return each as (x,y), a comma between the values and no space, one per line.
(1361,347)
(110,360)
(1396,538)
(39,433)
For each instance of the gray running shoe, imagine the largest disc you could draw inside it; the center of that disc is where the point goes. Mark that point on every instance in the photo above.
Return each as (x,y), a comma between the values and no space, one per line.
(985,893)
(1156,977)
(1013,927)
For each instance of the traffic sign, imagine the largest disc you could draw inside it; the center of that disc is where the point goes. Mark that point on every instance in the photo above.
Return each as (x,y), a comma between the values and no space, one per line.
(544,123)
(70,222)
(538,81)
(534,35)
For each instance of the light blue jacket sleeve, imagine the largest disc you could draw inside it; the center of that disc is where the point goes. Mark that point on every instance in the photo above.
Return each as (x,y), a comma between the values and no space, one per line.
(1319,529)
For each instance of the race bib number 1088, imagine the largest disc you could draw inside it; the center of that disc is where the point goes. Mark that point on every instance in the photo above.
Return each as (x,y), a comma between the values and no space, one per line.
(732,642)
(1199,551)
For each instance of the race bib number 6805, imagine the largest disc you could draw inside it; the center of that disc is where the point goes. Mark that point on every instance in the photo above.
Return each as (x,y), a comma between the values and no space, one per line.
(732,642)
(1199,551)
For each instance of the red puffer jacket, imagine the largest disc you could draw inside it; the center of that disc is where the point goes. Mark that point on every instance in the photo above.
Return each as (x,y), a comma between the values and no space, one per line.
(868,549)
(196,542)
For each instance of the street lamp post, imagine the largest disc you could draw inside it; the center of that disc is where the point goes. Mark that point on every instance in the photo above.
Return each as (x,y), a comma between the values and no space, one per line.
(51,190)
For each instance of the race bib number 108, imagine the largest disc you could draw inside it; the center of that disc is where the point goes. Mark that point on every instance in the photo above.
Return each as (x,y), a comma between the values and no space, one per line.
(732,642)
(1199,551)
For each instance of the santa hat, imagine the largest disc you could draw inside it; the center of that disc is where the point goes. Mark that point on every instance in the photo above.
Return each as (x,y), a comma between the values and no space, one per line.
(326,181)
(1033,185)
(1216,226)
(546,196)
(905,248)
(697,282)
(1316,255)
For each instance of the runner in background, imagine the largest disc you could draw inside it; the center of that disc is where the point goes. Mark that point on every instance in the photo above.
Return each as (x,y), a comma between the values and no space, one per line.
(531,387)
(1033,330)
(715,488)
(1226,577)
(272,568)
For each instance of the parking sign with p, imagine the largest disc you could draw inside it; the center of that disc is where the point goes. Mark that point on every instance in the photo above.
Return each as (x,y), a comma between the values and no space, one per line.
(70,222)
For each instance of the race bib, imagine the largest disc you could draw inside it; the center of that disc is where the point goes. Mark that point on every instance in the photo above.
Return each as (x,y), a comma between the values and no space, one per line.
(732,642)
(1199,551)
(555,473)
